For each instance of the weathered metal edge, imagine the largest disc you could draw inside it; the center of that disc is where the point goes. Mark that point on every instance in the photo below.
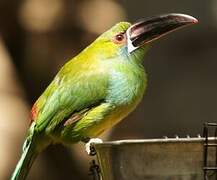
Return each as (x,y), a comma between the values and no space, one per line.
(160,140)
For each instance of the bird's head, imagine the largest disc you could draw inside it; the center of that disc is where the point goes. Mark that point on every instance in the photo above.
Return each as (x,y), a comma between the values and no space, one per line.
(132,39)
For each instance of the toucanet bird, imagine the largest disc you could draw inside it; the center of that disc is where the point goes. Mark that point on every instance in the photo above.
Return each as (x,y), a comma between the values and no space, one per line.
(96,89)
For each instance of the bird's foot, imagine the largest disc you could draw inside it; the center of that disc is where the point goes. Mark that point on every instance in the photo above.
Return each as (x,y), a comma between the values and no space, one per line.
(89,146)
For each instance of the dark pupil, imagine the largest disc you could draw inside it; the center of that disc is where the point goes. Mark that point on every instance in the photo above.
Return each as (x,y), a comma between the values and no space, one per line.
(119,37)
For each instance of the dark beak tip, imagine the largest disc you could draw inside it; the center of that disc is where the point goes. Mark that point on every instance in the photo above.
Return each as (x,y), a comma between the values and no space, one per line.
(194,20)
(187,18)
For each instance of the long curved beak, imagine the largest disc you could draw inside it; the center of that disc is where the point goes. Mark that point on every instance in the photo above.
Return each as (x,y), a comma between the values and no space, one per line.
(148,30)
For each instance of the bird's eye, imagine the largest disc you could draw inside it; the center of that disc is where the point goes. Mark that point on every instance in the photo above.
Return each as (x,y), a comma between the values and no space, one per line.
(119,38)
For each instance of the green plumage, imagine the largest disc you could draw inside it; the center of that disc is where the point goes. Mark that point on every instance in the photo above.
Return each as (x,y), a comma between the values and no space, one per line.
(90,94)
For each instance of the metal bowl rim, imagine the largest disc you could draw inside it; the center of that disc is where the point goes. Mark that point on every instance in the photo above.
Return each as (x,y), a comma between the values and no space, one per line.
(145,141)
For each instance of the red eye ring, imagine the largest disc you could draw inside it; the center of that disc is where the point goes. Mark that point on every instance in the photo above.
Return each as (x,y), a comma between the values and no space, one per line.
(119,37)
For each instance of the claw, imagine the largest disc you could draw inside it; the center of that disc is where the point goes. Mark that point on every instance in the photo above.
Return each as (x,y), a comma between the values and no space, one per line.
(89,146)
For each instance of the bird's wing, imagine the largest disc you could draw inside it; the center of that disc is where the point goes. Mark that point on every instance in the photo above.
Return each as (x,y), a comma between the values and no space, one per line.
(89,124)
(72,90)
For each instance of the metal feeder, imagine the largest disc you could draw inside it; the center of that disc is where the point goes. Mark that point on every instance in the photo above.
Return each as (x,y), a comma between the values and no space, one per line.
(159,159)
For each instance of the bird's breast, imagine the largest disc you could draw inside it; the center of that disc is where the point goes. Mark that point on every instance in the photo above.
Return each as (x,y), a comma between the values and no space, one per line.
(126,86)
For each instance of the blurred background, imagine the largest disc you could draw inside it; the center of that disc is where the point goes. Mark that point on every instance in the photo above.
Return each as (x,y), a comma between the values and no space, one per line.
(38,36)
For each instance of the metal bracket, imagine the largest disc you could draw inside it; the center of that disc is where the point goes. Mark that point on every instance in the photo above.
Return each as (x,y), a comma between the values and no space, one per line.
(94,169)
(206,167)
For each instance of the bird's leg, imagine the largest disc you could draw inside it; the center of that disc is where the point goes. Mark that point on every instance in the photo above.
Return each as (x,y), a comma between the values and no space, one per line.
(89,146)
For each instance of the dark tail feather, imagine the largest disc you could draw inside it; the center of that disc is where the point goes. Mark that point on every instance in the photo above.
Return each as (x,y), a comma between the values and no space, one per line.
(27,158)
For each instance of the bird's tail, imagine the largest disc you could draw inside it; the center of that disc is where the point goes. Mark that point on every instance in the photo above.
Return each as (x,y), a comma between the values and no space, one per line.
(28,156)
